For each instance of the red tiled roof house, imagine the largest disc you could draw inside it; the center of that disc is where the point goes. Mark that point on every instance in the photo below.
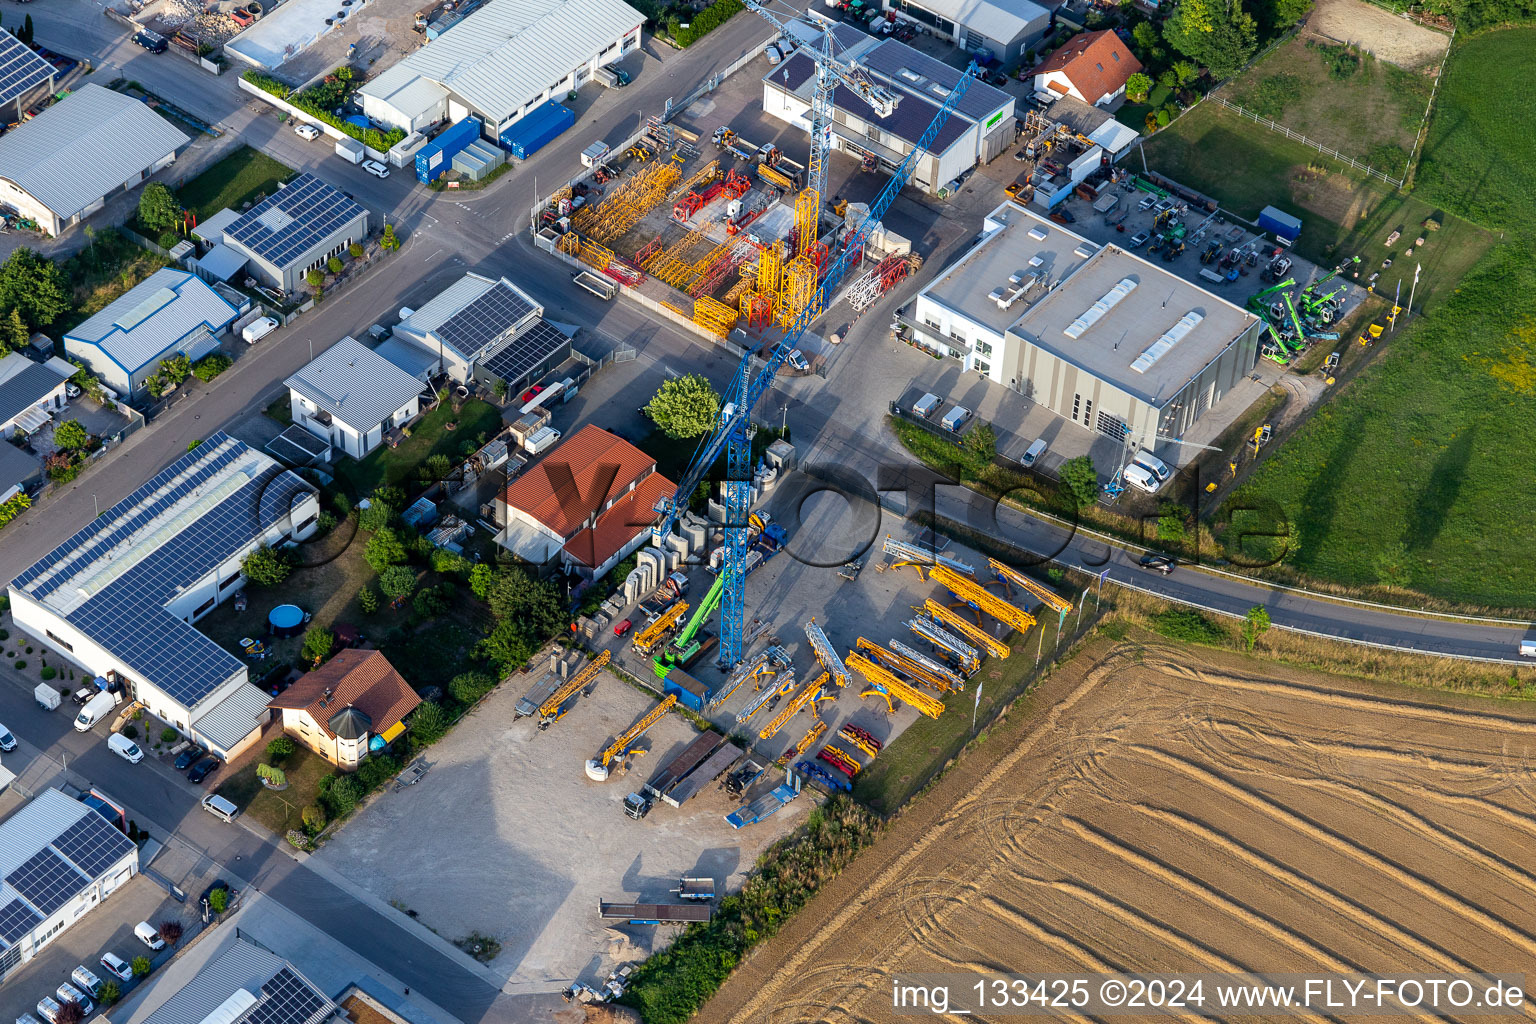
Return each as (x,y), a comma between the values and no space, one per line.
(589,502)
(1091,67)
(340,706)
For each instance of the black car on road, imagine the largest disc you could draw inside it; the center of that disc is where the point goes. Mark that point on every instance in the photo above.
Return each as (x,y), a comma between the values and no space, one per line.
(1158,563)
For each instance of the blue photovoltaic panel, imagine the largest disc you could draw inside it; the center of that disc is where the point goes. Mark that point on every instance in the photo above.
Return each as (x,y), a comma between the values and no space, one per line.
(525,352)
(46,881)
(16,919)
(286,999)
(92,845)
(483,320)
(311,211)
(21,70)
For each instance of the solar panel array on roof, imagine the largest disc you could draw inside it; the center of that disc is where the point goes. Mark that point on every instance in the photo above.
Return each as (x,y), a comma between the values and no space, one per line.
(287,224)
(526,351)
(16,919)
(287,999)
(21,70)
(483,320)
(47,881)
(93,845)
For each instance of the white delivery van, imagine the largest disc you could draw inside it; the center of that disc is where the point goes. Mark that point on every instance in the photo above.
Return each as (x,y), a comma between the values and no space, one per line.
(955,418)
(97,708)
(219,807)
(1141,478)
(926,405)
(84,979)
(146,933)
(1033,453)
(542,440)
(1154,465)
(1528,648)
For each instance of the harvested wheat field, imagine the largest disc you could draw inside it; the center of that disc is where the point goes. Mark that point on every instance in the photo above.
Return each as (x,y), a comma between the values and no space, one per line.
(1179,810)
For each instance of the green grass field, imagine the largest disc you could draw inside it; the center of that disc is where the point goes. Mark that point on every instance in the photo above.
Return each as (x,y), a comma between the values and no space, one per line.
(1416,475)
(232,182)
(396,467)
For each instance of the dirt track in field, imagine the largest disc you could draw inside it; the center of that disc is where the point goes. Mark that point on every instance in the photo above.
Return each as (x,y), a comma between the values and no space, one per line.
(1174,810)
(1388,36)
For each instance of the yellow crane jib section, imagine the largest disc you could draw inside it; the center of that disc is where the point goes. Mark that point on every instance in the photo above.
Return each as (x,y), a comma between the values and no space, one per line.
(895,687)
(987,601)
(651,635)
(825,654)
(588,673)
(715,317)
(910,554)
(805,743)
(621,744)
(764,697)
(1059,605)
(930,631)
(972,632)
(945,679)
(794,706)
(877,690)
(907,666)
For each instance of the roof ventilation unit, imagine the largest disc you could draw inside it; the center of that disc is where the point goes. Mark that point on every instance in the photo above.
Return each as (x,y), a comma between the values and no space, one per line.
(1096,312)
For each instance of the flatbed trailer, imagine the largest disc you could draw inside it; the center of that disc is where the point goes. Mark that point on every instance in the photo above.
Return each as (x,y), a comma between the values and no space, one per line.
(766,805)
(656,913)
(719,762)
(537,694)
(693,755)
(697,889)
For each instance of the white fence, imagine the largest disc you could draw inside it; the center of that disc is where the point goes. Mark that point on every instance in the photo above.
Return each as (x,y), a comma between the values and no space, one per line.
(1296,136)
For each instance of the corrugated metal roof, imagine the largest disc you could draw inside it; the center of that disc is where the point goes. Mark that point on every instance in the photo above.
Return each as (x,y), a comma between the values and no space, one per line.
(510,51)
(467,339)
(404,89)
(34,826)
(279,993)
(355,384)
(411,358)
(24,383)
(85,146)
(232,719)
(1003,23)
(51,850)
(165,309)
(447,302)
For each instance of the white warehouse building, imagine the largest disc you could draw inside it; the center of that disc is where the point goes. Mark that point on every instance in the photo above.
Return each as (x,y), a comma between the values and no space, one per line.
(980,128)
(120,597)
(1096,334)
(58,859)
(502,61)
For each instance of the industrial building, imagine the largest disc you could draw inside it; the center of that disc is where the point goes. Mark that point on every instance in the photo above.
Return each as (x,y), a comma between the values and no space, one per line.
(58,859)
(244,983)
(63,165)
(169,313)
(501,62)
(485,329)
(591,501)
(25,77)
(120,598)
(350,397)
(1095,334)
(295,230)
(30,393)
(1005,30)
(981,127)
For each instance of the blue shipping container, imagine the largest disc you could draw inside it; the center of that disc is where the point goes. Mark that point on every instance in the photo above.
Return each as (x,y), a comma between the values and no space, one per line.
(437,156)
(531,133)
(1281,223)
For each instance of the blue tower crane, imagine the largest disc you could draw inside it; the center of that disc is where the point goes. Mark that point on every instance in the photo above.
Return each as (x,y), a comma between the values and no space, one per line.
(732,436)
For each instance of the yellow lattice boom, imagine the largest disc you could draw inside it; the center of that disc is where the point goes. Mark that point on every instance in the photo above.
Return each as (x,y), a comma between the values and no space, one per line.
(570,243)
(713,316)
(623,208)
(646,640)
(598,257)
(622,743)
(987,601)
(805,742)
(702,178)
(799,290)
(895,687)
(588,672)
(1059,605)
(769,266)
(903,664)
(794,706)
(807,219)
(969,630)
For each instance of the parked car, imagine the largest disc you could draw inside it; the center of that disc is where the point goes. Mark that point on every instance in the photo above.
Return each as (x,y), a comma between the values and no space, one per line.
(67,993)
(187,758)
(1139,239)
(154,42)
(772,53)
(71,391)
(308,132)
(202,770)
(797,360)
(258,329)
(375,168)
(532,393)
(623,627)
(7,741)
(125,748)
(146,933)
(116,966)
(1158,563)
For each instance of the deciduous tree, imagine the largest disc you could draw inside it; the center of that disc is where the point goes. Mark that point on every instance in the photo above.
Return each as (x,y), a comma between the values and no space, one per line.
(266,567)
(685,407)
(34,286)
(1219,34)
(70,435)
(1081,481)
(158,208)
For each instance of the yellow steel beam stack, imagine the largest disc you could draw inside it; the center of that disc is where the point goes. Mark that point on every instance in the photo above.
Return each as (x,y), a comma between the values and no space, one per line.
(624,207)
(738,293)
(807,219)
(596,256)
(987,601)
(805,743)
(895,687)
(715,317)
(570,243)
(1059,605)
(969,630)
(799,290)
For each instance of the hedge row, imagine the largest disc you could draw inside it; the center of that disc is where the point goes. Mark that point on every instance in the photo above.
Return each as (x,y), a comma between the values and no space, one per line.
(703,23)
(370,137)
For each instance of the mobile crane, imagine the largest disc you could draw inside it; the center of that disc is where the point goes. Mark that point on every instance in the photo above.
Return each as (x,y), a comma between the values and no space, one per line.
(685,647)
(732,433)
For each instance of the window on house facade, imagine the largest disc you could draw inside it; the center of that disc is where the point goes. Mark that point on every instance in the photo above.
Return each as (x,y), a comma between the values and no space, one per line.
(1088,412)
(983,367)
(58,642)
(205,606)
(982,348)
(957,336)
(1077,404)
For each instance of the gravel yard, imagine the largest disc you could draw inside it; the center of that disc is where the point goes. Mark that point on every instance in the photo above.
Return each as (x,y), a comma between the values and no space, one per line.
(1389,36)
